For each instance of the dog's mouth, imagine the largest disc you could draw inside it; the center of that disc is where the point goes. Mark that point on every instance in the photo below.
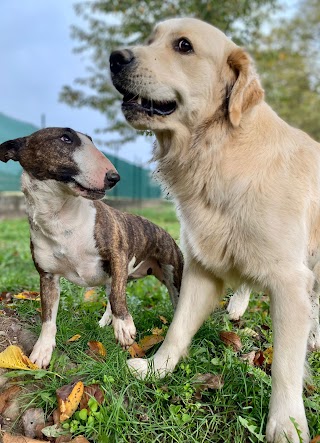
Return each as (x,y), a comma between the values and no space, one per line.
(91,194)
(136,103)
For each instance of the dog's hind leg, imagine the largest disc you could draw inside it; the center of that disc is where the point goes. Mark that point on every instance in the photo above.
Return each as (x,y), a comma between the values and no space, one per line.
(122,322)
(50,294)
(238,303)
(290,312)
(200,293)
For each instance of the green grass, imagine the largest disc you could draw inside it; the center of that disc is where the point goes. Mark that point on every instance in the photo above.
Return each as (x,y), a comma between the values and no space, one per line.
(166,410)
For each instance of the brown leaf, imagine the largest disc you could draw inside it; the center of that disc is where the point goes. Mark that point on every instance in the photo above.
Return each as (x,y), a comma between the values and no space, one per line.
(231,339)
(208,381)
(89,392)
(32,418)
(259,358)
(69,397)
(136,351)
(97,348)
(9,438)
(316,439)
(6,397)
(149,341)
(80,439)
(74,338)
(163,319)
(27,295)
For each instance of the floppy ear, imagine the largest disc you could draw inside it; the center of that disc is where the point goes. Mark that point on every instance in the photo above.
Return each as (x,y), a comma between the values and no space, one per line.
(10,150)
(247,91)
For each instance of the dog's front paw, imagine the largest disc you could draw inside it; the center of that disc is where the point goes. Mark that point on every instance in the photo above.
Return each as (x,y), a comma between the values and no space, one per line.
(139,367)
(124,330)
(281,428)
(314,338)
(42,351)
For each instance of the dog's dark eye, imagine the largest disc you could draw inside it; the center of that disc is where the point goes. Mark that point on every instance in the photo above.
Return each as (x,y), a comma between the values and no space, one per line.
(65,138)
(183,45)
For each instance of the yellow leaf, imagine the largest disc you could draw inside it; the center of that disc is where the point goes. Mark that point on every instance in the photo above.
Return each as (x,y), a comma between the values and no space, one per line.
(97,348)
(268,355)
(74,338)
(27,295)
(13,358)
(69,397)
(90,295)
(163,319)
(157,331)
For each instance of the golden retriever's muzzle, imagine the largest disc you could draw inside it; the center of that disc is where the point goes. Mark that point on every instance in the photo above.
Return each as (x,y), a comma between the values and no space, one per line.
(123,65)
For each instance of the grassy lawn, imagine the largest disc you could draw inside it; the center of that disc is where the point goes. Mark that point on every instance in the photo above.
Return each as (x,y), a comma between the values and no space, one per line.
(174,409)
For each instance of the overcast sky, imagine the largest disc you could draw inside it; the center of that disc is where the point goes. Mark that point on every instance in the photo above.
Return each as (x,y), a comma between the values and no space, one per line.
(37,60)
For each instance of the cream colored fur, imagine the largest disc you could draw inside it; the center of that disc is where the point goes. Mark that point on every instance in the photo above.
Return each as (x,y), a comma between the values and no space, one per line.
(247,189)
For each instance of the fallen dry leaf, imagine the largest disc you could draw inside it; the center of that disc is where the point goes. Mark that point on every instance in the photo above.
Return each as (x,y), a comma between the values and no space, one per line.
(259,358)
(9,438)
(6,397)
(136,351)
(27,295)
(250,332)
(231,339)
(316,439)
(96,347)
(249,357)
(13,358)
(163,319)
(268,355)
(79,439)
(90,295)
(90,391)
(74,338)
(149,341)
(31,419)
(69,397)
(208,381)
(157,331)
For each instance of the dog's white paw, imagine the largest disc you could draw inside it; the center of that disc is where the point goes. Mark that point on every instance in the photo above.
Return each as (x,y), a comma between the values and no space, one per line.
(280,429)
(314,338)
(158,366)
(42,351)
(106,319)
(139,367)
(124,330)
(238,303)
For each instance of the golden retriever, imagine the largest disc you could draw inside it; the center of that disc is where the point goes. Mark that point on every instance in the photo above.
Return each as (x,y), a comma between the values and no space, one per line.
(247,191)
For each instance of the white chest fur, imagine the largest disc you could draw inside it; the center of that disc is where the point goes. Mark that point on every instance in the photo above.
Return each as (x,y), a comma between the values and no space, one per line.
(62,234)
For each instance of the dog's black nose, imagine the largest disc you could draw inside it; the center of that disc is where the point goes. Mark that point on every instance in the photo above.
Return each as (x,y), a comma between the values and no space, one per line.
(120,59)
(112,178)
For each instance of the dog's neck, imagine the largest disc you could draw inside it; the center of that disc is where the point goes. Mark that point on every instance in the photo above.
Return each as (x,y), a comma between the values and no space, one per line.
(50,205)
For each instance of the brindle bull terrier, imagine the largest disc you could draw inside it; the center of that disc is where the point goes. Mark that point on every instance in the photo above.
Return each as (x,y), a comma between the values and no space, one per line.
(76,236)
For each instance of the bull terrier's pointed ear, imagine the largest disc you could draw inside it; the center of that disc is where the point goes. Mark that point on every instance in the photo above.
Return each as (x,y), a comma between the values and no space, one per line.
(10,149)
(247,91)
